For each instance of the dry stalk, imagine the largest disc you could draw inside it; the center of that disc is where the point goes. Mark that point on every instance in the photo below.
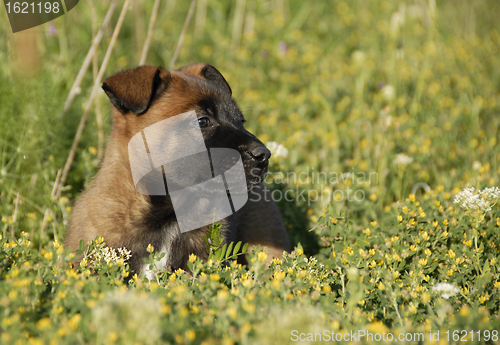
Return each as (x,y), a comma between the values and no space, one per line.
(151,25)
(201,17)
(239,15)
(86,63)
(95,71)
(95,89)
(183,33)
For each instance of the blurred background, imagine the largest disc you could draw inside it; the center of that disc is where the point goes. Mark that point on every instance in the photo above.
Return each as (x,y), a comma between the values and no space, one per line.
(406,90)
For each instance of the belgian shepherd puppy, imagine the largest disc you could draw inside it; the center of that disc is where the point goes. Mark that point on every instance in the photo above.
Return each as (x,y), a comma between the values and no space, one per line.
(113,208)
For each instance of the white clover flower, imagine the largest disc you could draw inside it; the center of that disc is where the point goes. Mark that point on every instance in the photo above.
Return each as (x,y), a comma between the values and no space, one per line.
(397,20)
(110,255)
(277,150)
(359,57)
(446,290)
(402,160)
(479,202)
(388,92)
(124,253)
(387,121)
(491,194)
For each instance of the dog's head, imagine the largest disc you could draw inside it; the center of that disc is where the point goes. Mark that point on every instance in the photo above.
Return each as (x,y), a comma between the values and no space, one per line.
(146,95)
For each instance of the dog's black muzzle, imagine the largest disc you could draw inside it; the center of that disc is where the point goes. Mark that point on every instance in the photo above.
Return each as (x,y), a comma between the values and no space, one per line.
(256,161)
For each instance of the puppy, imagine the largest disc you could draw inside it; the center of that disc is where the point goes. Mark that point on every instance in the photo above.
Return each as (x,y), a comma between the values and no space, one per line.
(114,206)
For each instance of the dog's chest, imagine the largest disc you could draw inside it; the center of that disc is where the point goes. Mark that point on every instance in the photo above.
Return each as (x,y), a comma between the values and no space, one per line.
(171,234)
(177,247)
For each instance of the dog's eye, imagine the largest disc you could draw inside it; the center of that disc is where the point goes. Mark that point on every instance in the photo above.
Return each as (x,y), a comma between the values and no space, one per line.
(203,121)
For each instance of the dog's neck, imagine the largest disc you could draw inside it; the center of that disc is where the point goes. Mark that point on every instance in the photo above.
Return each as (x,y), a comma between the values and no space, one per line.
(115,177)
(115,166)
(114,185)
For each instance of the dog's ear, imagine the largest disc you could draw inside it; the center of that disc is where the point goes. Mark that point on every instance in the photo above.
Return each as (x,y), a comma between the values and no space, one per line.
(209,73)
(135,89)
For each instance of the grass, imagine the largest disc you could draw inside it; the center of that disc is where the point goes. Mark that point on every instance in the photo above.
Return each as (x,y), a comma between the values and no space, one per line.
(345,87)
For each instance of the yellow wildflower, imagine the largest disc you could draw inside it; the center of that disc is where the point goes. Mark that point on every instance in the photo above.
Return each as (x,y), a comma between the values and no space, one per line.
(112,337)
(190,335)
(44,324)
(262,256)
(74,321)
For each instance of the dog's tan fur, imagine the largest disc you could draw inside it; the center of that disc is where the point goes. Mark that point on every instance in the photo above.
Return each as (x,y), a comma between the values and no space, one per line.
(112,208)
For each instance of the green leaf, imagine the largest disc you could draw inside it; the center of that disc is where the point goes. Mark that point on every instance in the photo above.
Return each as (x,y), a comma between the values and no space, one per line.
(218,254)
(486,266)
(229,249)
(236,248)
(244,249)
(223,252)
(433,266)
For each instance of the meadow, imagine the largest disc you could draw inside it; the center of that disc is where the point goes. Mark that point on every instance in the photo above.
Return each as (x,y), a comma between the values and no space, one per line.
(387,119)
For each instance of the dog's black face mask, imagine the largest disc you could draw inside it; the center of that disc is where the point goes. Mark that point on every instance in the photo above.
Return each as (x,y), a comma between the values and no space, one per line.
(222,126)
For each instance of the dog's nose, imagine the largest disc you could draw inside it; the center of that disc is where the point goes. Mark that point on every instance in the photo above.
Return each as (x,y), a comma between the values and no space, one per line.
(259,153)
